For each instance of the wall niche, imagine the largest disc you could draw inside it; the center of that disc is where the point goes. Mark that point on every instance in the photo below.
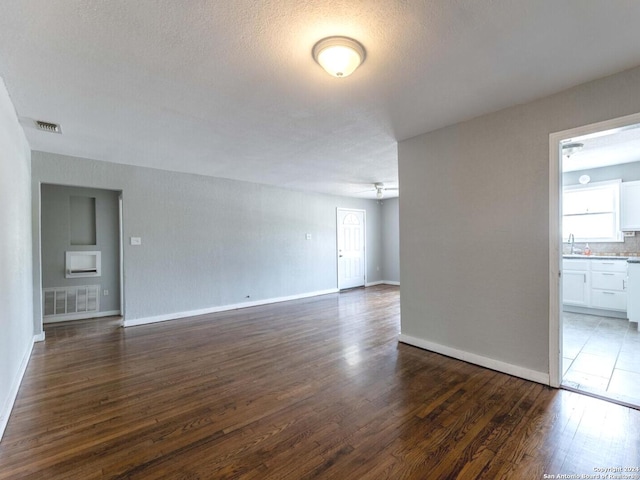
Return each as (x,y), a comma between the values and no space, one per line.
(82,220)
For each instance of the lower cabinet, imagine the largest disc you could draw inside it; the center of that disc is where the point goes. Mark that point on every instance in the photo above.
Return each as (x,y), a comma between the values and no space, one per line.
(575,288)
(608,300)
(634,293)
(595,284)
(608,284)
(576,283)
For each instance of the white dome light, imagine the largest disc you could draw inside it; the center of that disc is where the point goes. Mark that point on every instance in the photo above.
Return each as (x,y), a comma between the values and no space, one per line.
(339,56)
(584,179)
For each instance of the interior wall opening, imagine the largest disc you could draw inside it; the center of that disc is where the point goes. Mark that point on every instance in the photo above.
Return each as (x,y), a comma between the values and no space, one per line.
(599,230)
(81,252)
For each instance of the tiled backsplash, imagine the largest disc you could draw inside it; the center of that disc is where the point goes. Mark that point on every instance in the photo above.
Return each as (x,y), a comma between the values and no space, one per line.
(629,248)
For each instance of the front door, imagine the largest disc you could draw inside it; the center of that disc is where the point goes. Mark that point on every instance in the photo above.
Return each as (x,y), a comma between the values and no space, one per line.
(351,255)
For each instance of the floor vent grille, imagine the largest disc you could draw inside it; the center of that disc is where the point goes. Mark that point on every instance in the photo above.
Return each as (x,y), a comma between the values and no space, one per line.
(67,300)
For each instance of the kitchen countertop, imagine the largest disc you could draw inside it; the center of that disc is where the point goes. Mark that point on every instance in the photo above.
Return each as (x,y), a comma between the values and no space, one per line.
(602,257)
(595,257)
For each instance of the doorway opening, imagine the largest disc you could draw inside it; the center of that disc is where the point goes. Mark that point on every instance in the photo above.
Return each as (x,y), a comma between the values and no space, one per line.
(595,216)
(81,253)
(351,242)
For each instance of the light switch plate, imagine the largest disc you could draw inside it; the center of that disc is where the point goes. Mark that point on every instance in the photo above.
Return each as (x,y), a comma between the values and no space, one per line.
(136,241)
(308,236)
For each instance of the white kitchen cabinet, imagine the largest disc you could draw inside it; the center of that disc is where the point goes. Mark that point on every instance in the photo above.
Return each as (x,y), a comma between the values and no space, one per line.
(575,289)
(608,280)
(630,206)
(575,282)
(608,284)
(609,300)
(595,283)
(633,306)
(606,265)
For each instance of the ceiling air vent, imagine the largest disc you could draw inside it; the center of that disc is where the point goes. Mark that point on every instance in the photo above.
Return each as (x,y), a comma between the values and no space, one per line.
(48,127)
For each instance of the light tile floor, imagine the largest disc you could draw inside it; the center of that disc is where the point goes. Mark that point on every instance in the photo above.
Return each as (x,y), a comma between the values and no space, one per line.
(601,355)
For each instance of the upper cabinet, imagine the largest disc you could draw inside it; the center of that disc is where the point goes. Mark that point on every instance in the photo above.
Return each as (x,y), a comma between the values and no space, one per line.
(630,206)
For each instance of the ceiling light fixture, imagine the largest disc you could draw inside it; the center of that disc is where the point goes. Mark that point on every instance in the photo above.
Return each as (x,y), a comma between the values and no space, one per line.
(339,56)
(571,148)
(584,179)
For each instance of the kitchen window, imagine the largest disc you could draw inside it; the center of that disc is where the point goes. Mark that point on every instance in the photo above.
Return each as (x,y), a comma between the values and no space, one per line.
(592,212)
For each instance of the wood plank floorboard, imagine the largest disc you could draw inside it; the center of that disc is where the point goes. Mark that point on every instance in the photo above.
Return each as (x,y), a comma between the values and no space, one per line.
(313,388)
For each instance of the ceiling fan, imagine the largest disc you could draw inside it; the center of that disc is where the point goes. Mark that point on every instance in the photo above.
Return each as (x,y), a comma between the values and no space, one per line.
(380,189)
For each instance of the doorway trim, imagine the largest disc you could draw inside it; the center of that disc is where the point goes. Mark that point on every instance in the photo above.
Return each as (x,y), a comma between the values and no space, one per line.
(38,288)
(555,238)
(364,237)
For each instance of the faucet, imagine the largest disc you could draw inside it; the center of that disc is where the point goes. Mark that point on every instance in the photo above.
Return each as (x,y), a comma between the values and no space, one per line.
(572,242)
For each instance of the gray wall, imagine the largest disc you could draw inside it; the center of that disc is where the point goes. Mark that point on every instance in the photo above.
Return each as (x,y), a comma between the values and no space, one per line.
(55,232)
(628,172)
(474,223)
(210,242)
(16,327)
(391,240)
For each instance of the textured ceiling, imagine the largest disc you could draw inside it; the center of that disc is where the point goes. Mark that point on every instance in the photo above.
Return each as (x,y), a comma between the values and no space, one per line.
(229,88)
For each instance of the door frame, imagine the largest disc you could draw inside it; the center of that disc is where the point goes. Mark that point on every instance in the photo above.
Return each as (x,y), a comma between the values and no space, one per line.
(121,249)
(364,230)
(555,237)
(38,287)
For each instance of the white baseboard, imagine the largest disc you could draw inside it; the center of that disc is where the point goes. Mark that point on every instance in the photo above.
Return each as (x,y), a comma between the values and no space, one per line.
(38,337)
(223,308)
(79,316)
(391,282)
(515,370)
(381,282)
(15,387)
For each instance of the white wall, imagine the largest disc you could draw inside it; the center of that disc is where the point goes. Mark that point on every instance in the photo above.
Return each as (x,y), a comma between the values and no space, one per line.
(391,240)
(16,314)
(210,242)
(474,226)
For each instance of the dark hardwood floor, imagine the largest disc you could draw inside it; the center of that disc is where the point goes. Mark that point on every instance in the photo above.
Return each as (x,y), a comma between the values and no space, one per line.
(315,388)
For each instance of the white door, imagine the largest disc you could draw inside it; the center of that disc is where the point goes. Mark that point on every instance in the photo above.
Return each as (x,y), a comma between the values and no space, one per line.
(351,256)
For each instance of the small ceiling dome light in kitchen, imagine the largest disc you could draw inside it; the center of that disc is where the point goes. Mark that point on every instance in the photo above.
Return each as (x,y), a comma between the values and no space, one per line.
(339,56)
(584,179)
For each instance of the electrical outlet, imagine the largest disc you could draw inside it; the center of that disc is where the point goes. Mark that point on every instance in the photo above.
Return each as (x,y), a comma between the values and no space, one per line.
(105,293)
(136,241)
(308,236)
(629,234)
